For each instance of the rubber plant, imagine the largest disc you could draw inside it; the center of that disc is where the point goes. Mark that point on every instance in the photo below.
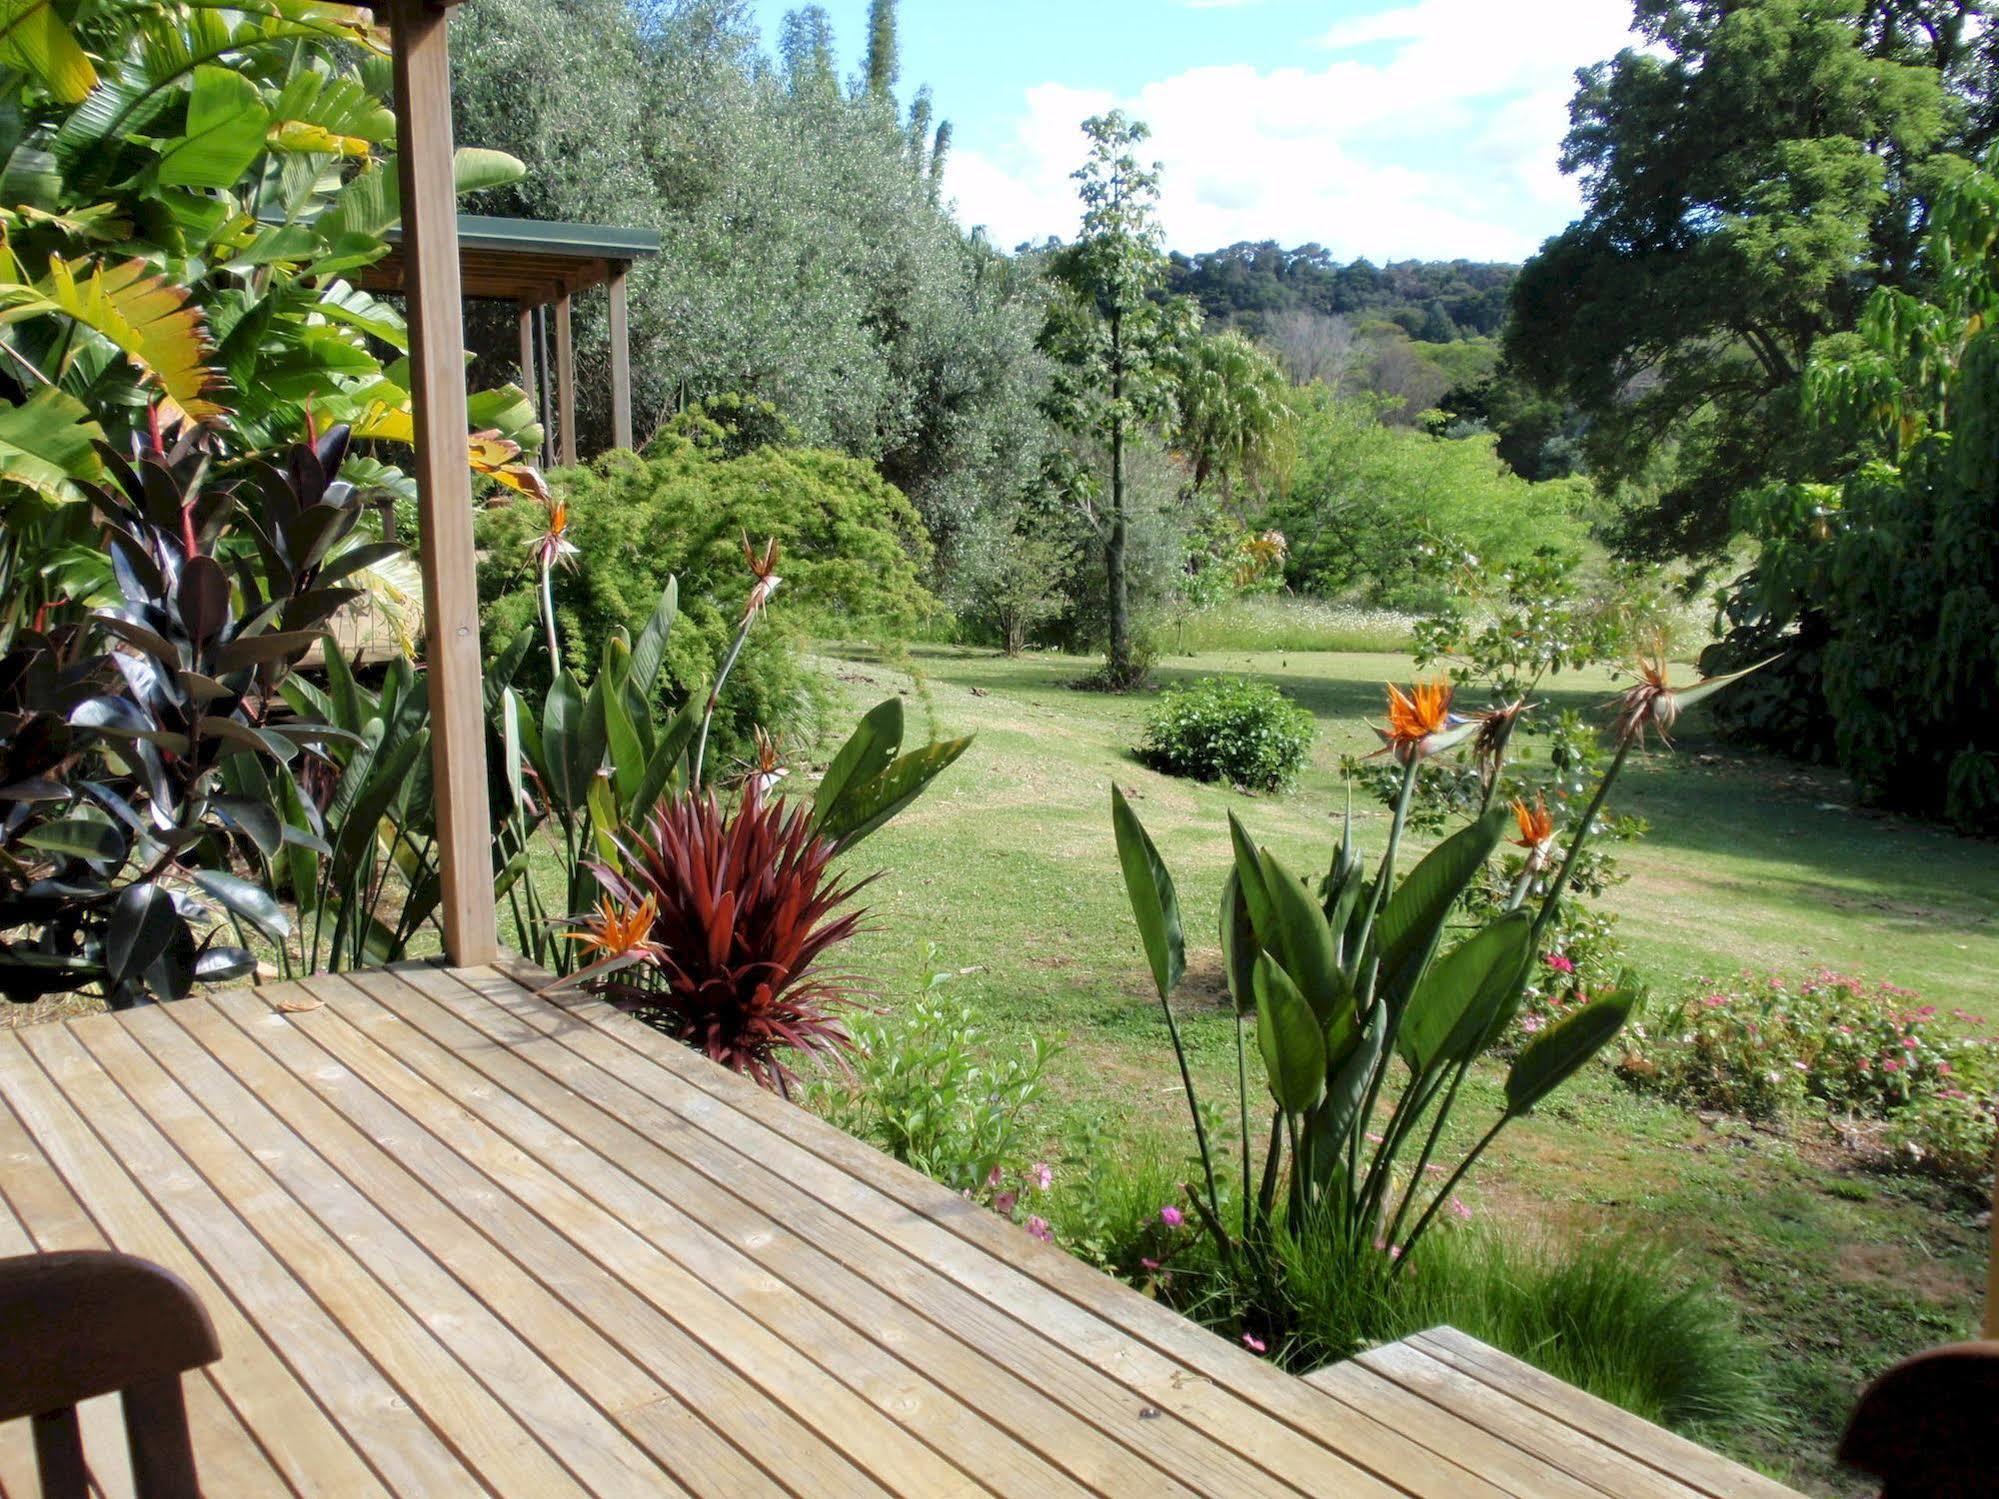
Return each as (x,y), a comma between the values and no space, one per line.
(122,819)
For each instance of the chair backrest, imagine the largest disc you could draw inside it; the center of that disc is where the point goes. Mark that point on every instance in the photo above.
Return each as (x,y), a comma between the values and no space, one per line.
(1927,1426)
(84,1323)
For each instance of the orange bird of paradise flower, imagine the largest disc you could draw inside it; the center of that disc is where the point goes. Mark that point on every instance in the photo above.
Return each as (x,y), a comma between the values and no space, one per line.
(619,933)
(1536,824)
(1414,717)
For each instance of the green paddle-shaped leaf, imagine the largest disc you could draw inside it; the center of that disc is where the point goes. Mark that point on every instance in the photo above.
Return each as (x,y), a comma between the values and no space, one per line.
(1153,901)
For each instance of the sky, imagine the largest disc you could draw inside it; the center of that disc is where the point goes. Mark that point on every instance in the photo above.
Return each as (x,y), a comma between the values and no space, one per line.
(1393,129)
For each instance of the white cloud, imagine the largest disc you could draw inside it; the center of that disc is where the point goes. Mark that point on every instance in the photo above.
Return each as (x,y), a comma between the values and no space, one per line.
(1430,129)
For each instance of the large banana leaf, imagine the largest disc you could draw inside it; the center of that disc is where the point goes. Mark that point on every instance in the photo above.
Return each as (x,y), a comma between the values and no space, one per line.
(226,124)
(144,316)
(48,445)
(34,39)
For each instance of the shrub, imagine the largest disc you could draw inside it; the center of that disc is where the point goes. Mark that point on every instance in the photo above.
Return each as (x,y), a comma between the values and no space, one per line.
(729,915)
(1767,1047)
(933,1089)
(852,546)
(1228,729)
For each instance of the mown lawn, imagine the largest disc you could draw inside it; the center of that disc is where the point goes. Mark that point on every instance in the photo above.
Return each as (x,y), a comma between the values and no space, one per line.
(1005,871)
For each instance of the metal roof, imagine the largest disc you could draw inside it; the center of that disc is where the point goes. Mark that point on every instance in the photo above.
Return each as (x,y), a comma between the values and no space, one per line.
(525,260)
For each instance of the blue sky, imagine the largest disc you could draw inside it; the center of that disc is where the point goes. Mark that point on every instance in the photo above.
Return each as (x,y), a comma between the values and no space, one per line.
(1385,128)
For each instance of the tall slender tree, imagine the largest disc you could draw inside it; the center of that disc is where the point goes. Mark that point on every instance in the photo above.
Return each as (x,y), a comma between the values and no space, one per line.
(883,66)
(1116,342)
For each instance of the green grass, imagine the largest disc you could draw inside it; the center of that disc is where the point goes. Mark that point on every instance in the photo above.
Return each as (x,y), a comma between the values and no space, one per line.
(1006,865)
(1268,623)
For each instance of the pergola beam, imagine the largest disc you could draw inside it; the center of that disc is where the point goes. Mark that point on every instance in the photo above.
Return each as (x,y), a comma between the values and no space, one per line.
(444,486)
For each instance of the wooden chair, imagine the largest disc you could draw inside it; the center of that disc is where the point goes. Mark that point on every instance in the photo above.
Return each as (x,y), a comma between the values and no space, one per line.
(1927,1426)
(84,1323)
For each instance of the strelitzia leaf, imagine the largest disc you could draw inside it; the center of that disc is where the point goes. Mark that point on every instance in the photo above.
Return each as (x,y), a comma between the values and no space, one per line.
(1411,923)
(869,750)
(1295,931)
(1554,1056)
(1154,902)
(1452,1009)
(870,804)
(1289,1037)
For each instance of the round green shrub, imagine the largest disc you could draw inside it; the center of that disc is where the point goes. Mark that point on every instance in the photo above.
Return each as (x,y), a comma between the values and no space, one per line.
(851,554)
(1228,729)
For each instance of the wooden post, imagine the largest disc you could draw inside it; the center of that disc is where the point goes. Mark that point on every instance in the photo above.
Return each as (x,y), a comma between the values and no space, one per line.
(621,363)
(565,383)
(444,485)
(525,313)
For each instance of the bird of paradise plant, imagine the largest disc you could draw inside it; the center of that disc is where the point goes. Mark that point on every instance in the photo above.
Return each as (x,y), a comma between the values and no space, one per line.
(1358,1004)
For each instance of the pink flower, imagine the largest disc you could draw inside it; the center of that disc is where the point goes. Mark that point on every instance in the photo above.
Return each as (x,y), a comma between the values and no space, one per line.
(993,1177)
(1038,1228)
(1373,1138)
(1800,1066)
(1891,1064)
(1908,1043)
(1714,1001)
(1560,963)
(1147,1263)
(1171,1216)
(1458,1209)
(1253,1343)
(1043,1174)
(1943,1067)
(1531,1023)
(1005,1203)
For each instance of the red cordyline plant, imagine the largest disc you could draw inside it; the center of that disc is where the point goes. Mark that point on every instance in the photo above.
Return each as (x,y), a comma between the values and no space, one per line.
(745,909)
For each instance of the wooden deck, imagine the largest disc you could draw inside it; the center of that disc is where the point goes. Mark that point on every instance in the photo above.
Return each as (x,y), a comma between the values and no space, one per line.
(459,1240)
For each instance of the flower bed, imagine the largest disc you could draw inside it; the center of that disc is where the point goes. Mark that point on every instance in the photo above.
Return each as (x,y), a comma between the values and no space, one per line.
(1768,1047)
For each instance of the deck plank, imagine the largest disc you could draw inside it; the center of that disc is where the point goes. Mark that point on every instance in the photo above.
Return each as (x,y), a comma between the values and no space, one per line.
(1063,1414)
(751,1440)
(602,1373)
(513,1377)
(1666,1451)
(1283,1425)
(459,1238)
(32,1191)
(311,1451)
(1561,1447)
(868,1413)
(578,1244)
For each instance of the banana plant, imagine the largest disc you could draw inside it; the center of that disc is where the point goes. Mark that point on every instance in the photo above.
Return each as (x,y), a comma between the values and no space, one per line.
(1368,1011)
(185,186)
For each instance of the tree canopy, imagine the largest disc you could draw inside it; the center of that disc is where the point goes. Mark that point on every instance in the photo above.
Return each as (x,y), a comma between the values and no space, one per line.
(1748,176)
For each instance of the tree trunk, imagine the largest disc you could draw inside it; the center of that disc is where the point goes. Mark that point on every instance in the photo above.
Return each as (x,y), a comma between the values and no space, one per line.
(1114,543)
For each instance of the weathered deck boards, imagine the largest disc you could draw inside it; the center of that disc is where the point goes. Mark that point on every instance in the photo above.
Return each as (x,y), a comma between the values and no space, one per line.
(459,1240)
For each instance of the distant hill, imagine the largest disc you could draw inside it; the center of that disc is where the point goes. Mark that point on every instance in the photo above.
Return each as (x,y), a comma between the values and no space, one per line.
(1253,287)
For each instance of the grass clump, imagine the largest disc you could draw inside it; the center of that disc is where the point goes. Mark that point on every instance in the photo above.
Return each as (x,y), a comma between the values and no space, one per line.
(1231,729)
(1613,1315)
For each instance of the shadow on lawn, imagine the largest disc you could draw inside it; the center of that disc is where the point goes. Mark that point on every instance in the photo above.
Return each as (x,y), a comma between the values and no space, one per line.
(1700,795)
